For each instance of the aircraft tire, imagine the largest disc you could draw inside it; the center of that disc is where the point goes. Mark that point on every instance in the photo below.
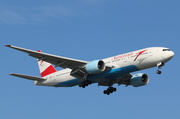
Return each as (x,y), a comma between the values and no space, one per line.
(108,93)
(158,72)
(114,89)
(105,92)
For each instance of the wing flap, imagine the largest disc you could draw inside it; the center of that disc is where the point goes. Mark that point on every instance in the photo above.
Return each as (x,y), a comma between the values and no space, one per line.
(34,78)
(59,61)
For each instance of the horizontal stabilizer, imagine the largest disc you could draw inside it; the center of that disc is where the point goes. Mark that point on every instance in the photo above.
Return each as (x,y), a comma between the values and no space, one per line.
(34,78)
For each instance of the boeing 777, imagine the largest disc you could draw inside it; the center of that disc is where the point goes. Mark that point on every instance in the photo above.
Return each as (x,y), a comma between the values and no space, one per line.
(105,72)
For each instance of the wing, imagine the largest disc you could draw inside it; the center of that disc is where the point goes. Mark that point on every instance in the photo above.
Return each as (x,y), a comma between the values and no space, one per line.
(34,78)
(63,62)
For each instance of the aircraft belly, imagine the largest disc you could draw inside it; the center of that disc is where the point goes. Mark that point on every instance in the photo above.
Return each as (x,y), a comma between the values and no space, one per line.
(67,81)
(113,74)
(60,81)
(106,76)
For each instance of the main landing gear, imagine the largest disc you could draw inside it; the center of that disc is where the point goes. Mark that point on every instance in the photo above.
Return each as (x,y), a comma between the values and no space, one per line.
(159,67)
(85,83)
(110,90)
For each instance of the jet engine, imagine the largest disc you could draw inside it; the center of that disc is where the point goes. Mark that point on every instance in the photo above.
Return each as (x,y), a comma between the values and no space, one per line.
(139,79)
(95,67)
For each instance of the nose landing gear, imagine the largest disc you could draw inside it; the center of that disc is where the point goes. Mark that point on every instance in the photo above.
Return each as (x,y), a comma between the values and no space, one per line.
(158,71)
(159,65)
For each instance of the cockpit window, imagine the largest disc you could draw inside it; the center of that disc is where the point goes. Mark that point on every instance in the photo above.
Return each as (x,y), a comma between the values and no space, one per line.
(166,50)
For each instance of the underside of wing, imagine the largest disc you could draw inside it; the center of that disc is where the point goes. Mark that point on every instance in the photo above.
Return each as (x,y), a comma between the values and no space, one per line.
(58,61)
(125,79)
(34,78)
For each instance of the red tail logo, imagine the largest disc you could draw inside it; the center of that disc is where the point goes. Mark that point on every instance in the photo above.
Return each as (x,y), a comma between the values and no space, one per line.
(45,67)
(48,71)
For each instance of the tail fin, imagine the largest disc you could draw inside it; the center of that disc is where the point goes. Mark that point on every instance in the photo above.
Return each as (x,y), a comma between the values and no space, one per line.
(45,67)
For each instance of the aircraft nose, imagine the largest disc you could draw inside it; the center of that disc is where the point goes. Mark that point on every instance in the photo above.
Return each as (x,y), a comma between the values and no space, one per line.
(171,54)
(168,55)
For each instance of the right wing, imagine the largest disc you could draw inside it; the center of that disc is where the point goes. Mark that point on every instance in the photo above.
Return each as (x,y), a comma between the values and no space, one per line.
(34,78)
(60,61)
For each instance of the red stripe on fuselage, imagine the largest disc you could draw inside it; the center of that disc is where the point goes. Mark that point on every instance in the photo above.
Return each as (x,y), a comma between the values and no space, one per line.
(48,71)
(139,53)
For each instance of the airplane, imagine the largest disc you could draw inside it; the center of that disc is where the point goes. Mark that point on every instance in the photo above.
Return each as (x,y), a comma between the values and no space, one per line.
(105,72)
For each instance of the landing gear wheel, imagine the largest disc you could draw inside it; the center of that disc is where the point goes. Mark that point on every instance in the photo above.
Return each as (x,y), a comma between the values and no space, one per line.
(110,90)
(105,92)
(85,83)
(158,72)
(114,89)
(159,67)
(108,93)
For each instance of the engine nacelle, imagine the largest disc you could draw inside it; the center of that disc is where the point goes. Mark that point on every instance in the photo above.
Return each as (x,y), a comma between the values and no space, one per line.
(139,79)
(95,67)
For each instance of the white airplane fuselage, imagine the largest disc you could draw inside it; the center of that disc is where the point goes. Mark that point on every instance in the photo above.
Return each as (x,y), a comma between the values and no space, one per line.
(121,65)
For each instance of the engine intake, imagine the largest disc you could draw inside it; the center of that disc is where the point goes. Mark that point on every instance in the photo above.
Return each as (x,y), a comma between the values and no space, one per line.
(139,79)
(95,67)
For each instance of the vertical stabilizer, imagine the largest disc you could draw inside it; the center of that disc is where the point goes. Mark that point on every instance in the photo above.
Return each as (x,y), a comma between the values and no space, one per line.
(45,67)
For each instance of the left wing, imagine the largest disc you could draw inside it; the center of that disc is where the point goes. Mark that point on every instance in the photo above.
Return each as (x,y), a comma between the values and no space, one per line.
(34,78)
(59,61)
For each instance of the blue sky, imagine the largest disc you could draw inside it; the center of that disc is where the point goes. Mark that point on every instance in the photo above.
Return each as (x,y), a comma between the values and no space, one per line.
(88,30)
